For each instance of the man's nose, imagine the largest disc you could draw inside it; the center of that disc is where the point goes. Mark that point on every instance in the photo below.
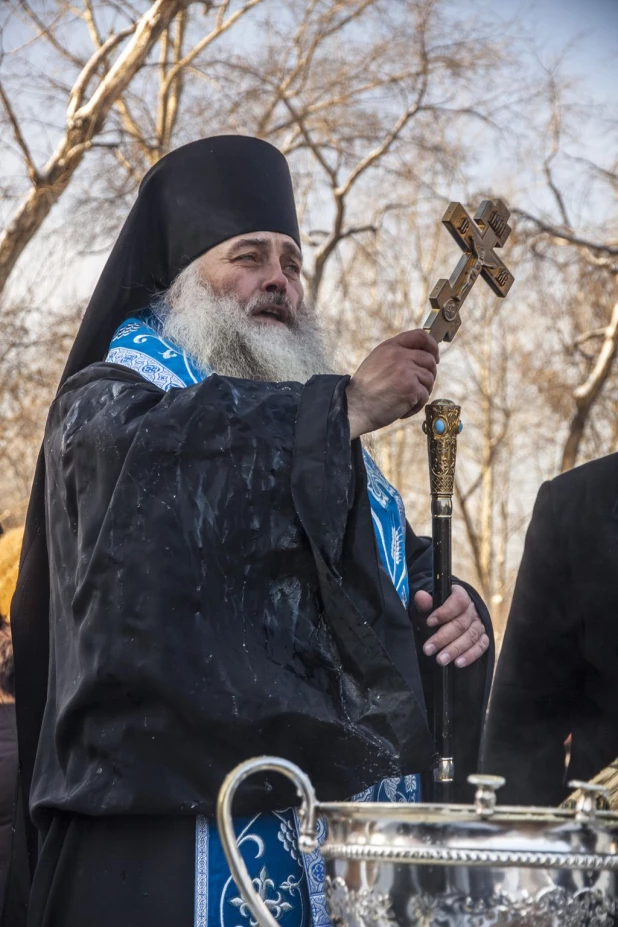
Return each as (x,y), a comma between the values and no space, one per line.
(275,281)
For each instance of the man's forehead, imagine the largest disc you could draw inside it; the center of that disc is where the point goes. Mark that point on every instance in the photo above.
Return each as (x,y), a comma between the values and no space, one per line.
(264,240)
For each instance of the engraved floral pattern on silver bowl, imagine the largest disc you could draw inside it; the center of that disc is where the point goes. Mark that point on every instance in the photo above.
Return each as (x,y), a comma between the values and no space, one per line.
(555,907)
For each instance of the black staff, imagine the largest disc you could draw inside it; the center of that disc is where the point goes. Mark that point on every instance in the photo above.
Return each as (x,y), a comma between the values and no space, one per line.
(442,425)
(478,238)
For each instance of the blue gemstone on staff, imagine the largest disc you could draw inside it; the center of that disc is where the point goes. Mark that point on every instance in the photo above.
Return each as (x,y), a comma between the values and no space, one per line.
(460,428)
(440,426)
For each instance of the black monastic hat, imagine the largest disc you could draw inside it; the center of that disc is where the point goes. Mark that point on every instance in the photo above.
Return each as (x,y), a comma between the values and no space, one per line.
(194,198)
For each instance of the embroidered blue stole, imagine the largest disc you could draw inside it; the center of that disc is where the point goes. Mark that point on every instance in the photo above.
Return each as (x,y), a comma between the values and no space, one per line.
(291,883)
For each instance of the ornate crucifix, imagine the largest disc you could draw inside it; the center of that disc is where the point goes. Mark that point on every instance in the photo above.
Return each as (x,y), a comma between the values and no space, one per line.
(477,238)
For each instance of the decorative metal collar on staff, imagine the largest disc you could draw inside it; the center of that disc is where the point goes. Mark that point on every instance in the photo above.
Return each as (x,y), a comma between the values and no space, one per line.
(442,425)
(478,238)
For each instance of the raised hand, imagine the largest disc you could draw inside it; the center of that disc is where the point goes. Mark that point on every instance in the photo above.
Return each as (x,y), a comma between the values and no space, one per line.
(393,382)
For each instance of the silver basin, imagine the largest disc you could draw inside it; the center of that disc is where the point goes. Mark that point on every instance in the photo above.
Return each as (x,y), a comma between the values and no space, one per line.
(449,865)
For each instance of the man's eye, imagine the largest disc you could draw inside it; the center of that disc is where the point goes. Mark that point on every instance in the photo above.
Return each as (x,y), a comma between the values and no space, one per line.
(246,257)
(294,267)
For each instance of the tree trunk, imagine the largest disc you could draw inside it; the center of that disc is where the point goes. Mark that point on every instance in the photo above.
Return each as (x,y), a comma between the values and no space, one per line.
(587,394)
(84,122)
(574,438)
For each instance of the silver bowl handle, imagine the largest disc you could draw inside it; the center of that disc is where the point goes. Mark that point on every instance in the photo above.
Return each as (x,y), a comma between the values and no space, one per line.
(306,840)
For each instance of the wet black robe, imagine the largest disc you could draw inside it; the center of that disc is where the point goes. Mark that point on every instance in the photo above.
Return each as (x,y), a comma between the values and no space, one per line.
(216,594)
(164,607)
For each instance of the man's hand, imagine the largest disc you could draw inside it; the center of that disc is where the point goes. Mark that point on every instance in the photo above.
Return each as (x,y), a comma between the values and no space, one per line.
(394,381)
(462,637)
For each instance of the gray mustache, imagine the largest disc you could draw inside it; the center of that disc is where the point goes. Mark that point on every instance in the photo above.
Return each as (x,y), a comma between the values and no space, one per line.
(272,299)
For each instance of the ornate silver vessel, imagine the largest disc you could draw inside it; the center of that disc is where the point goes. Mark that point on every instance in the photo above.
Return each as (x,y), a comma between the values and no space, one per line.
(449,865)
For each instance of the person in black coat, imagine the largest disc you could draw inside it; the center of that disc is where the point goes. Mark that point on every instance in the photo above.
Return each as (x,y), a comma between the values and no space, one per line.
(8,751)
(558,671)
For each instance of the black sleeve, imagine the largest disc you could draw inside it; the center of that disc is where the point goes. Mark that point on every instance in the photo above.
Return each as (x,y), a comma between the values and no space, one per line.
(536,679)
(201,542)
(470,684)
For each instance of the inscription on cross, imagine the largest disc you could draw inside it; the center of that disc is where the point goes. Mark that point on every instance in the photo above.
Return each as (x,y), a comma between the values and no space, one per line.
(477,238)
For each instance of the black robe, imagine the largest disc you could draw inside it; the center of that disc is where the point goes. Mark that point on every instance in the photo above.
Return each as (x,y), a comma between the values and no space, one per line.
(216,593)
(8,773)
(558,666)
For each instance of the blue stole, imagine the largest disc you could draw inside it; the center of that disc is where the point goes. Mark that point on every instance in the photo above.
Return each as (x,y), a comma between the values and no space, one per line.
(290,882)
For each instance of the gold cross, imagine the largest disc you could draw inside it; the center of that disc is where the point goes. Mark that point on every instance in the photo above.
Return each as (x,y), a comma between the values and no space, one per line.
(477,238)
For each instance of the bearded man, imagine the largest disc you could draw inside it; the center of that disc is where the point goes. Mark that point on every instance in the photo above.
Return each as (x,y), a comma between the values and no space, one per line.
(223,571)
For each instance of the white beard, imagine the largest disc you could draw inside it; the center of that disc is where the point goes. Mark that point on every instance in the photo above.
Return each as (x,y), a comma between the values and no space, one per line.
(219,333)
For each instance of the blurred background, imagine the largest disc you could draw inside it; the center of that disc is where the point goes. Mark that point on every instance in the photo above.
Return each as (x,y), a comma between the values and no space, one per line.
(387,110)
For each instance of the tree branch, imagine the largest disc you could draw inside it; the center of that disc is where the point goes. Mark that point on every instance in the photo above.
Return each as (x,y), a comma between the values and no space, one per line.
(170,92)
(472,488)
(81,127)
(556,128)
(565,235)
(588,336)
(373,156)
(19,138)
(47,33)
(221,26)
(97,41)
(586,394)
(340,191)
(134,132)
(473,537)
(90,68)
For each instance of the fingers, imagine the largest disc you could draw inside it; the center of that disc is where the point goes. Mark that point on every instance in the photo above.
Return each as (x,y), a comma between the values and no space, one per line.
(423,372)
(461,638)
(423,392)
(394,381)
(423,601)
(474,653)
(455,639)
(453,631)
(422,398)
(455,605)
(425,377)
(418,338)
(424,359)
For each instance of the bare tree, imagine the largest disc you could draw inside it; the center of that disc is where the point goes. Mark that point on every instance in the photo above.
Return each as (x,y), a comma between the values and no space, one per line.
(587,261)
(100,84)
(492,393)
(379,116)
